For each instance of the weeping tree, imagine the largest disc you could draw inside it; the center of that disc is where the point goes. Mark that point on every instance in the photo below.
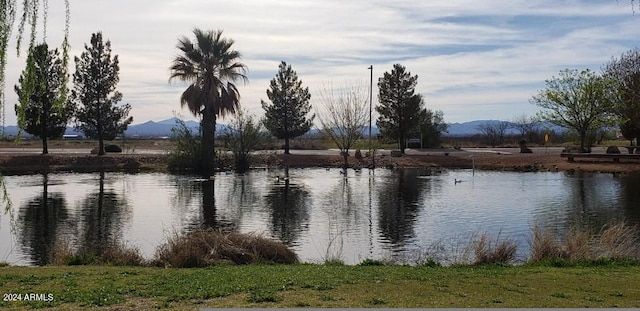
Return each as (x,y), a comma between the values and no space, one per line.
(32,12)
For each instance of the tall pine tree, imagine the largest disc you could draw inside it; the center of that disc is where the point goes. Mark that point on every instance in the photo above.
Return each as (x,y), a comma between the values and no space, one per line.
(400,109)
(46,111)
(95,80)
(286,116)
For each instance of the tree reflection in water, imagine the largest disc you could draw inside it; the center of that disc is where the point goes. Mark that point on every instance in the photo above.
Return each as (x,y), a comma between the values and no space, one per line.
(195,204)
(103,215)
(289,206)
(399,202)
(41,221)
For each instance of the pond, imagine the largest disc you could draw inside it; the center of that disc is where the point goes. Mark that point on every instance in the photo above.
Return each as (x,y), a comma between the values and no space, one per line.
(320,213)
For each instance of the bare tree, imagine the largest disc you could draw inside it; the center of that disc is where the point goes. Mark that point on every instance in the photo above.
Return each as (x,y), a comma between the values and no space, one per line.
(494,132)
(343,116)
(528,127)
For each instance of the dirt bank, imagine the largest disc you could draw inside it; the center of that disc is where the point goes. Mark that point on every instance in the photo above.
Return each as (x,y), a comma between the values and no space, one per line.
(29,163)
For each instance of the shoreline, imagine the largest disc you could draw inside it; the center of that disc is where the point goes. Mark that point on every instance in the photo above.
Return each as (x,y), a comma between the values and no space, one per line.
(29,163)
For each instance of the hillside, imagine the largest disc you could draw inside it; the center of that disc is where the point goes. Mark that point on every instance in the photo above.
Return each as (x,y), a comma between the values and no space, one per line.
(162,129)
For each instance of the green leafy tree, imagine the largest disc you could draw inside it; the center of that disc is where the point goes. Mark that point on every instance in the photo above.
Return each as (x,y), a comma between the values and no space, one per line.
(186,151)
(41,117)
(286,116)
(579,100)
(243,135)
(32,12)
(625,74)
(98,115)
(432,127)
(211,65)
(400,108)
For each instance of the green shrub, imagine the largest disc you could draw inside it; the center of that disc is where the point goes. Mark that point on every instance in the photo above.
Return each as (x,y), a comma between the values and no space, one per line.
(371,262)
(186,153)
(112,148)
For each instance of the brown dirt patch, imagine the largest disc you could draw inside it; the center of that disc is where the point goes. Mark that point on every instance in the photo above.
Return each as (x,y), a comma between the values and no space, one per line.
(464,160)
(29,163)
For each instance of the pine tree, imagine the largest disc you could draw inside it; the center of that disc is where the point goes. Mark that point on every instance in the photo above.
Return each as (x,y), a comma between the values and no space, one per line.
(42,117)
(95,80)
(399,109)
(286,116)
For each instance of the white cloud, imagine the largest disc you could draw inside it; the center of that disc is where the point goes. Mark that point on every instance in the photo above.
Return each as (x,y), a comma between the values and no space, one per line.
(475,59)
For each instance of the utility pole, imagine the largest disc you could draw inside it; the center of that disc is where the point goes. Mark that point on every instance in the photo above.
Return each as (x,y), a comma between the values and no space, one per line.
(371,153)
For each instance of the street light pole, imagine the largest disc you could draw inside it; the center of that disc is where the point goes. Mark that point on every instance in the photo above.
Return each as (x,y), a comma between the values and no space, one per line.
(371,153)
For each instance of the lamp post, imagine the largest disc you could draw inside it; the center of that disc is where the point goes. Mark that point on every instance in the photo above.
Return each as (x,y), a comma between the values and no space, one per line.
(373,156)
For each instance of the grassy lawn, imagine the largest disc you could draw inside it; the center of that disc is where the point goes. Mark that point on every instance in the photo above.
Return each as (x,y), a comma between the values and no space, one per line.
(83,287)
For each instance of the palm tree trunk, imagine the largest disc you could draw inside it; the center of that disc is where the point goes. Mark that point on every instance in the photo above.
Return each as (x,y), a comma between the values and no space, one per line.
(45,149)
(286,145)
(208,143)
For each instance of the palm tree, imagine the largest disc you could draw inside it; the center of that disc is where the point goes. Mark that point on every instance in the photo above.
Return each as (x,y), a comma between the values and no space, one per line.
(211,66)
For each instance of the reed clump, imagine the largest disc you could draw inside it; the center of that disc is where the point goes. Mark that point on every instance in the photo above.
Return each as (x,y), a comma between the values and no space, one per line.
(209,247)
(112,253)
(487,251)
(617,241)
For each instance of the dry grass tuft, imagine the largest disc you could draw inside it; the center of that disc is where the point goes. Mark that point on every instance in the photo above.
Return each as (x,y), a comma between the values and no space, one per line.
(493,252)
(619,241)
(209,247)
(61,253)
(120,254)
(543,246)
(615,241)
(114,253)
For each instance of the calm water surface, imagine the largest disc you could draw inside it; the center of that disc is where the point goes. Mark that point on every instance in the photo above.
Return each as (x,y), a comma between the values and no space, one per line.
(318,212)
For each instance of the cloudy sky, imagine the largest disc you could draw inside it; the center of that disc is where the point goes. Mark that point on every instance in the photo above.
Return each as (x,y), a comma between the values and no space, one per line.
(475,59)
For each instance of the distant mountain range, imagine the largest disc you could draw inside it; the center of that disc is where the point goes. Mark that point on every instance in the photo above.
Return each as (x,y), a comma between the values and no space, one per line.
(158,129)
(472,128)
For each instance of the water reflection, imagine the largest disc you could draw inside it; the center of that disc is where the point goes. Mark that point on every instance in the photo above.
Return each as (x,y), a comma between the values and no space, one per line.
(591,207)
(630,188)
(289,205)
(41,220)
(194,204)
(361,215)
(103,215)
(399,199)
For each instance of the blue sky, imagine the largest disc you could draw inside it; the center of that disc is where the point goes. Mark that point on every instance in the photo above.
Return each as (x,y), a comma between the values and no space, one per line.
(475,59)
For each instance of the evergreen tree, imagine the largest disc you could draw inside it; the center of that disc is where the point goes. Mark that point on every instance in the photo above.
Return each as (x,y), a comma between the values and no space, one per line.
(95,80)
(41,116)
(286,116)
(399,109)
